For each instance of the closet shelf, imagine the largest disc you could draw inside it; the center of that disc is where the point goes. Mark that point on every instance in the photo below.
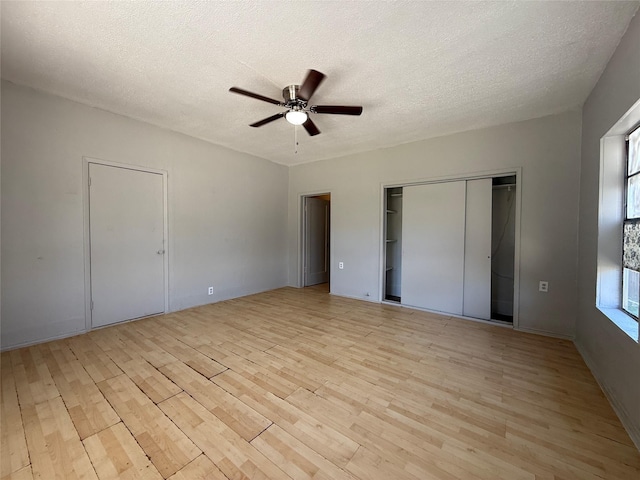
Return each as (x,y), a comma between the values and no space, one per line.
(388,269)
(395,194)
(392,211)
(391,240)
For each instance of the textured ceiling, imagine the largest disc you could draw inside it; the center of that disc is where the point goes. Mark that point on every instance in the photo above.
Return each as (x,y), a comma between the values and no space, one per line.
(420,69)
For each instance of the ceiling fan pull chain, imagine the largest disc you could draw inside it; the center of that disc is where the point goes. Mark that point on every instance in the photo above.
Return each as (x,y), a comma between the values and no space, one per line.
(295,139)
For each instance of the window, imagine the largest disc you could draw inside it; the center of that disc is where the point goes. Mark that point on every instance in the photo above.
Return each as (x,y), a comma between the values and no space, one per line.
(631,227)
(618,258)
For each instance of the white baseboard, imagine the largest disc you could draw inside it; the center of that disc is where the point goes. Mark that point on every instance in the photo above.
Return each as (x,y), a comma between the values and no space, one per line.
(545,333)
(621,411)
(85,330)
(43,340)
(364,299)
(493,323)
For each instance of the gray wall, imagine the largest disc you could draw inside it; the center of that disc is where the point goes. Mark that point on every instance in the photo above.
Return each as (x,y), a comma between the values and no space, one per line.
(547,149)
(613,357)
(227,212)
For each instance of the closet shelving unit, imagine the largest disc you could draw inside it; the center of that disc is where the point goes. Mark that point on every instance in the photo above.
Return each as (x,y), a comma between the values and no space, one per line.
(393,243)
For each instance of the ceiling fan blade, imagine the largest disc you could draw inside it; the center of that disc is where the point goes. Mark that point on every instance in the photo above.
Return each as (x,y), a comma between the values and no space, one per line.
(310,84)
(268,120)
(257,96)
(336,109)
(310,127)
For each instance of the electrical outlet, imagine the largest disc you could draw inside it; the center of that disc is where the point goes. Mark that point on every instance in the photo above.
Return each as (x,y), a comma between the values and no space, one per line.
(340,265)
(543,286)
(210,290)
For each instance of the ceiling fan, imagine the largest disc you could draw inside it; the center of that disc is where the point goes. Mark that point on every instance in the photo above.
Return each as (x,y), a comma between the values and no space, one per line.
(296,100)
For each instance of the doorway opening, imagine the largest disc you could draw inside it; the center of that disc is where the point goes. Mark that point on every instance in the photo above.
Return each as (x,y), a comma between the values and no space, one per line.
(316,239)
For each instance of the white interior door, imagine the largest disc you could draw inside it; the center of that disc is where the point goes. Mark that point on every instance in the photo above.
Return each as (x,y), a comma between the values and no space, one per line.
(433,222)
(126,225)
(477,249)
(316,266)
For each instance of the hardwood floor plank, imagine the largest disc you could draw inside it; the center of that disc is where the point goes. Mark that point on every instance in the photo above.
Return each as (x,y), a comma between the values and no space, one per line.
(89,410)
(116,455)
(144,347)
(183,352)
(200,469)
(318,372)
(32,377)
(291,374)
(54,445)
(257,372)
(328,442)
(22,474)
(127,356)
(233,455)
(217,353)
(14,455)
(419,449)
(589,462)
(295,458)
(112,345)
(366,464)
(238,416)
(94,360)
(155,385)
(168,448)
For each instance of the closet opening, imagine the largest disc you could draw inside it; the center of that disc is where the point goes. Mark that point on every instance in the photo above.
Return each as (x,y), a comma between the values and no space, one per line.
(393,245)
(450,246)
(503,247)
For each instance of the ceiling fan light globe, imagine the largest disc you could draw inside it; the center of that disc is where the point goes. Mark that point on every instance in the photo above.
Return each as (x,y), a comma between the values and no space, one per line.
(296,117)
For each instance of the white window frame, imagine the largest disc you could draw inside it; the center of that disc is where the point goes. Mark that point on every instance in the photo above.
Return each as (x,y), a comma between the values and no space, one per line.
(611,215)
(627,220)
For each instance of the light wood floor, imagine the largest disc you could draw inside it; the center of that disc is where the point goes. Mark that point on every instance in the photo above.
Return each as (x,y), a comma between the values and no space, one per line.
(299,384)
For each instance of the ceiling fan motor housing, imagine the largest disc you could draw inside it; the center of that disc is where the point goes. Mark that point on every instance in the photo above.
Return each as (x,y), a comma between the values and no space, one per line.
(291,100)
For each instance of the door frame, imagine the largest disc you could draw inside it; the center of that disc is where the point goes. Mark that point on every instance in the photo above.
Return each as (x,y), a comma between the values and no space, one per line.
(502,172)
(302,240)
(86,161)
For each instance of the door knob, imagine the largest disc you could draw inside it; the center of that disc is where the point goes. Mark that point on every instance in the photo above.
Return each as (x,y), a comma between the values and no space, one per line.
(160,252)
